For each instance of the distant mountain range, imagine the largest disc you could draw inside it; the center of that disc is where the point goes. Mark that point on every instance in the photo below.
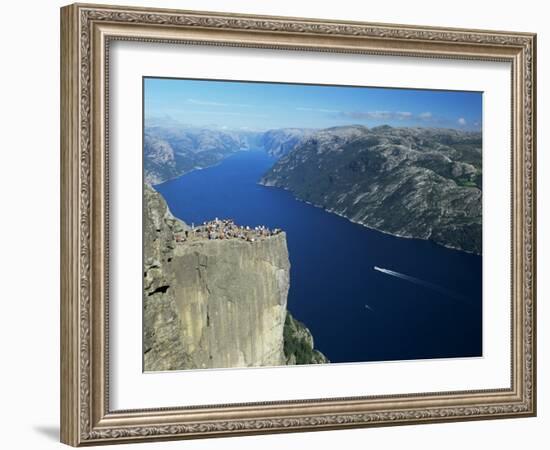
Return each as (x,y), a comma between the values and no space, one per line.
(280,142)
(171,150)
(412,182)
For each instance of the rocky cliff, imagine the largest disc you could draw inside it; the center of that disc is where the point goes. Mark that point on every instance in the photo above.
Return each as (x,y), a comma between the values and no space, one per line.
(279,142)
(299,347)
(213,303)
(411,182)
(172,151)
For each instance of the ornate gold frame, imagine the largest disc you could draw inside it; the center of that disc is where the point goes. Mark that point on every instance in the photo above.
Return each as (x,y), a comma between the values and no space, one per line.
(86,31)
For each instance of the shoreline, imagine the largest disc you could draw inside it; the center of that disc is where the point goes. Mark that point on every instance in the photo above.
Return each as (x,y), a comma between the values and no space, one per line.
(356,222)
(196,168)
(329,210)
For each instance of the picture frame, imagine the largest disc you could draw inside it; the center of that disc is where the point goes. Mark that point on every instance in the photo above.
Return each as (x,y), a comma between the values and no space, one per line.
(87,33)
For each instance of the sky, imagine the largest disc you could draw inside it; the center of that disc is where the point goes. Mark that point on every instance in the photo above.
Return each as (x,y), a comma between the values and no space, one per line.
(251,106)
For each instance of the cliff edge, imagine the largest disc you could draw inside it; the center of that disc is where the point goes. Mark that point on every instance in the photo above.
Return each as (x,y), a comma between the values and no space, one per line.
(213,302)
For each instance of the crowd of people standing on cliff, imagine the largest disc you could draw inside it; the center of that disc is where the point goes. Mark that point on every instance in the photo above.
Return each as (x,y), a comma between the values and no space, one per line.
(225,229)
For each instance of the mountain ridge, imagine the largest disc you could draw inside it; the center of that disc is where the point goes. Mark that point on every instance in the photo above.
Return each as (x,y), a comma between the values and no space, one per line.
(410,182)
(421,183)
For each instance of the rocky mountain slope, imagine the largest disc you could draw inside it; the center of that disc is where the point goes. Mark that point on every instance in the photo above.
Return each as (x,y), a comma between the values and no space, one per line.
(412,182)
(216,303)
(279,142)
(169,152)
(299,347)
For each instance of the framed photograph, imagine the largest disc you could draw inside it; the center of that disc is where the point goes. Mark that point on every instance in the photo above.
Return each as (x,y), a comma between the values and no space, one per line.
(276,224)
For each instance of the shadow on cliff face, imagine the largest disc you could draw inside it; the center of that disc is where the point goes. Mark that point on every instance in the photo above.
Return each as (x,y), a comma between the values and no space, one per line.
(159,290)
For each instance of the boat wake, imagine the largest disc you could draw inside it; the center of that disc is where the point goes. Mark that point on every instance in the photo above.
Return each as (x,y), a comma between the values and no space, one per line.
(423,283)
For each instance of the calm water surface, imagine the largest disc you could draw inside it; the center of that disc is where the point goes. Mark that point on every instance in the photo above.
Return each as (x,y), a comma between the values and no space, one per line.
(425,303)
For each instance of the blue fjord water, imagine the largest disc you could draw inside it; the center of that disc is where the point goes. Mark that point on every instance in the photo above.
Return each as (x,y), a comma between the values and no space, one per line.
(365,295)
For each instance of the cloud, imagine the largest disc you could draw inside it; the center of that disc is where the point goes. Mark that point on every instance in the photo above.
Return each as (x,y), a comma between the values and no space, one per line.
(376,115)
(426,118)
(303,108)
(194,101)
(403,115)
(379,115)
(225,113)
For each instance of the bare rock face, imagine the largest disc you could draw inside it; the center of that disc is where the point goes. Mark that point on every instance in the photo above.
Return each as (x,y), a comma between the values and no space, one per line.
(171,151)
(163,343)
(211,303)
(279,142)
(232,298)
(299,346)
(412,182)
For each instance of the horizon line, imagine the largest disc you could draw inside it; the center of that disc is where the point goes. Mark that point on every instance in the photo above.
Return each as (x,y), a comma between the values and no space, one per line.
(260,130)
